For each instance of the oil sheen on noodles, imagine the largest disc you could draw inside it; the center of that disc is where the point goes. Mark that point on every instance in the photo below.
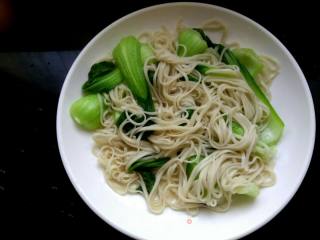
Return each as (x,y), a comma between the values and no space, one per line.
(230,161)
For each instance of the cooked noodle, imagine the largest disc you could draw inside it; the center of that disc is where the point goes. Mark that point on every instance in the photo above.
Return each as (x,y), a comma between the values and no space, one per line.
(230,160)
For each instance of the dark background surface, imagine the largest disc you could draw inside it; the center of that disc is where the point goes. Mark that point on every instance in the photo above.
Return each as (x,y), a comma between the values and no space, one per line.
(38,43)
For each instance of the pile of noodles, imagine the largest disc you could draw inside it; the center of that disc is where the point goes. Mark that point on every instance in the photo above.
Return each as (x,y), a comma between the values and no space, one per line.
(230,160)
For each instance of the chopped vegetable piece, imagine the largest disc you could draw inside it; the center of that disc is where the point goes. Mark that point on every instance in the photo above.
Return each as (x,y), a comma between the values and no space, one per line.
(149,179)
(147,53)
(147,164)
(194,160)
(129,126)
(127,55)
(251,190)
(115,116)
(103,82)
(237,129)
(192,42)
(215,72)
(100,69)
(151,76)
(190,112)
(87,111)
(249,59)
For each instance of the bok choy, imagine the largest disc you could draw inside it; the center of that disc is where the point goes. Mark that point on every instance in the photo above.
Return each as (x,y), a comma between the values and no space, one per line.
(149,179)
(147,53)
(87,111)
(249,59)
(190,43)
(274,129)
(127,55)
(193,161)
(146,167)
(147,164)
(250,189)
(103,76)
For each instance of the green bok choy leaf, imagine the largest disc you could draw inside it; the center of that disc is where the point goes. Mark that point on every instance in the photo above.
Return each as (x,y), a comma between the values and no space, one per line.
(272,133)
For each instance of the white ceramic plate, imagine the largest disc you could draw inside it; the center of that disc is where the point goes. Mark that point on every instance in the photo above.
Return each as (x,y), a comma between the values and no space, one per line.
(129,214)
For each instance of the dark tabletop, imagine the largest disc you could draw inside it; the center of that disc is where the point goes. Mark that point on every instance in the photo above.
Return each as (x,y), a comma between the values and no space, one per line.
(38,43)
